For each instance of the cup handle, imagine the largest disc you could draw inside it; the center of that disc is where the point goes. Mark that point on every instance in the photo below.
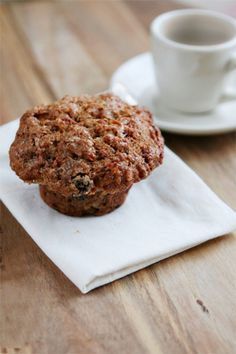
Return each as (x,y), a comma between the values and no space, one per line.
(231,64)
(230,94)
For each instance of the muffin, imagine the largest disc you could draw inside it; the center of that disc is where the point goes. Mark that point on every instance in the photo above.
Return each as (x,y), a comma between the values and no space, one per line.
(86,152)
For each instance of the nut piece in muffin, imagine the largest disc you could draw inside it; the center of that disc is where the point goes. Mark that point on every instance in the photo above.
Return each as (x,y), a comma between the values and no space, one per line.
(86,152)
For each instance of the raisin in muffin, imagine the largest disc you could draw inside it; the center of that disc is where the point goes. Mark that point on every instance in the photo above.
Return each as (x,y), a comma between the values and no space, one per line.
(86,152)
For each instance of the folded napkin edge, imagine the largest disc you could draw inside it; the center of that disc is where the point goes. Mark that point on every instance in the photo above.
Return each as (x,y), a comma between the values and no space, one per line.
(98,280)
(104,279)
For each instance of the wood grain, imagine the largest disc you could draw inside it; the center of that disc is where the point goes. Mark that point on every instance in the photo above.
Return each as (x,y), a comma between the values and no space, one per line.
(184,304)
(22,80)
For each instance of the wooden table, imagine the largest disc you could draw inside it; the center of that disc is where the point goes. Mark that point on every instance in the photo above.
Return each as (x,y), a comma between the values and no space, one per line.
(185,304)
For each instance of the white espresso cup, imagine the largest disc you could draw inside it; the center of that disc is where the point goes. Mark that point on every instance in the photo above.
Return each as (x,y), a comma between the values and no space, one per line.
(193,51)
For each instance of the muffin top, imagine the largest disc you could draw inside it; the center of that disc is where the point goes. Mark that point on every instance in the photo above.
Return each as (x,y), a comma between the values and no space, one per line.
(82,145)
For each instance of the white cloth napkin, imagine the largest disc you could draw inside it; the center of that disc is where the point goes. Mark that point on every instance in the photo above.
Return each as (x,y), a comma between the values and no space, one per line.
(167,213)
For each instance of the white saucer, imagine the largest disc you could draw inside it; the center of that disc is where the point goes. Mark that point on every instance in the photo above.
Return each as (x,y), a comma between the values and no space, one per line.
(137,75)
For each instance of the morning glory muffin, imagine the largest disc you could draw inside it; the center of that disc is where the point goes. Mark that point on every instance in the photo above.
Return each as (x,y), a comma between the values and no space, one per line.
(86,152)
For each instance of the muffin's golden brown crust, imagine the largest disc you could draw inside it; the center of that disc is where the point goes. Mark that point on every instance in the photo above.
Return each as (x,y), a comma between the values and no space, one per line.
(86,145)
(98,204)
